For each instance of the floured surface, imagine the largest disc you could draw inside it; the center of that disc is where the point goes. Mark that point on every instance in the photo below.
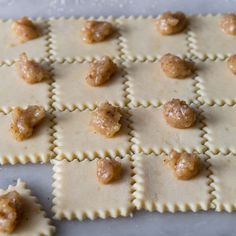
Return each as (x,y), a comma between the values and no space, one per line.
(34,222)
(96,199)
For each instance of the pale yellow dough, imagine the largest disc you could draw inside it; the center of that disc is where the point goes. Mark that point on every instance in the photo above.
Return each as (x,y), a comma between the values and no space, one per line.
(78,194)
(66,33)
(220,128)
(10,49)
(216,82)
(152,133)
(72,90)
(34,222)
(141,87)
(77,139)
(158,189)
(34,149)
(140,39)
(16,92)
(223,174)
(208,40)
(149,85)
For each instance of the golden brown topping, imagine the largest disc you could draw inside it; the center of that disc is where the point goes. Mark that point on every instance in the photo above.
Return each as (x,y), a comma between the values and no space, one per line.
(178,114)
(30,71)
(101,71)
(175,67)
(185,165)
(11,209)
(228,24)
(25,30)
(105,120)
(24,120)
(108,170)
(232,63)
(171,23)
(96,31)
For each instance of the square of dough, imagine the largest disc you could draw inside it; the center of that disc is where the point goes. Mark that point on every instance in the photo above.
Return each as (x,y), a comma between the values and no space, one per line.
(78,194)
(216,82)
(33,222)
(72,90)
(207,38)
(152,133)
(158,189)
(34,149)
(14,91)
(67,42)
(141,39)
(220,128)
(149,85)
(10,51)
(224,178)
(77,139)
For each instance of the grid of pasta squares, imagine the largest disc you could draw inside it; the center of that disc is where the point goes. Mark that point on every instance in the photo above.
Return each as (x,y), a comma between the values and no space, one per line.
(140,88)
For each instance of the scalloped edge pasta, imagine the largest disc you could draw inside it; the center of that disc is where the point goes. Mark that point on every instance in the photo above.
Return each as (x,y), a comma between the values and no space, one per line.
(53,54)
(31,157)
(208,136)
(50,230)
(45,35)
(88,214)
(89,154)
(58,103)
(217,204)
(141,203)
(137,147)
(193,47)
(133,102)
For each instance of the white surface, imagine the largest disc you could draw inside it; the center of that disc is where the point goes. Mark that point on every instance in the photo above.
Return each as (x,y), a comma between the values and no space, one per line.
(39,177)
(49,8)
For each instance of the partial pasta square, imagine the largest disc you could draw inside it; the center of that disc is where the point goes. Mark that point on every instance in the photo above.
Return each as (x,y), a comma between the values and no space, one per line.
(152,133)
(17,92)
(156,187)
(216,83)
(223,175)
(207,38)
(10,51)
(76,138)
(33,220)
(68,32)
(80,197)
(220,128)
(34,149)
(72,90)
(149,85)
(141,40)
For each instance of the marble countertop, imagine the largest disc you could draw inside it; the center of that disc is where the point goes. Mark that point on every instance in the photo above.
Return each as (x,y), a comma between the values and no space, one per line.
(39,177)
(56,8)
